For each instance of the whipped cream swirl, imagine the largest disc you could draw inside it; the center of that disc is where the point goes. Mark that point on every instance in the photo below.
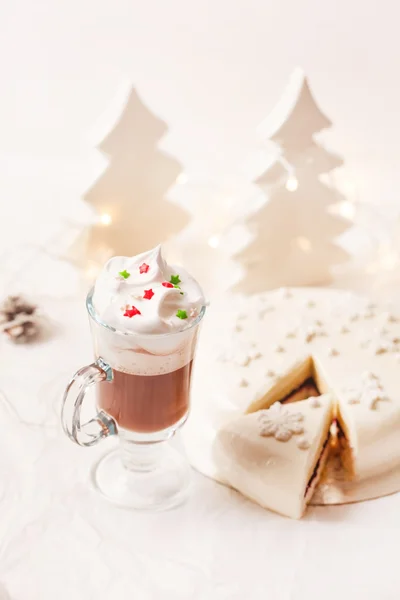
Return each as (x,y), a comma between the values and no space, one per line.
(145,295)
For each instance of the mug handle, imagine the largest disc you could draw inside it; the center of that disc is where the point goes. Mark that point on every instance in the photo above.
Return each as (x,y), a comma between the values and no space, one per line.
(101,426)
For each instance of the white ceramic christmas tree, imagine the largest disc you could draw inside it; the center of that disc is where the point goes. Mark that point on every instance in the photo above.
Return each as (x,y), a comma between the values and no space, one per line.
(129,197)
(294,232)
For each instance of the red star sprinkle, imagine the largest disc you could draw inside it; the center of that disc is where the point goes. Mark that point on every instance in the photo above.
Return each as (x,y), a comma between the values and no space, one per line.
(143,268)
(148,294)
(131,312)
(167,284)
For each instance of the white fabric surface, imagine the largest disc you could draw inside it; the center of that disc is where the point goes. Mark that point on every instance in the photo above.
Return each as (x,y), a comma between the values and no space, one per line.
(60,539)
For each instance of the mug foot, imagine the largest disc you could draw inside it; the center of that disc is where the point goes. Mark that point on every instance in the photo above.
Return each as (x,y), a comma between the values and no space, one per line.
(149,477)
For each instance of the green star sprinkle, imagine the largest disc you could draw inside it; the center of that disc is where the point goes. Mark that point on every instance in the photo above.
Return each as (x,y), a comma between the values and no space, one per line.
(175,280)
(181,314)
(124,274)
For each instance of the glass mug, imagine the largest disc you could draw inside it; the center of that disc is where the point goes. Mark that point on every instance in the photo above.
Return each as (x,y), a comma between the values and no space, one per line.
(142,395)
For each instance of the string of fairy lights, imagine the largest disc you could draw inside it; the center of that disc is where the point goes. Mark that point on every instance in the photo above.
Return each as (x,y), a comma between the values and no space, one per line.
(386,259)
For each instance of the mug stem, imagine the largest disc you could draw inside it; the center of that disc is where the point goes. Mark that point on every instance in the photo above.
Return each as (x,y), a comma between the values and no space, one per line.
(140,457)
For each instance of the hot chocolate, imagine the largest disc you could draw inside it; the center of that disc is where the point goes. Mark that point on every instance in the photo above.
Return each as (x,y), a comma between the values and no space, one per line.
(145,404)
(150,309)
(144,316)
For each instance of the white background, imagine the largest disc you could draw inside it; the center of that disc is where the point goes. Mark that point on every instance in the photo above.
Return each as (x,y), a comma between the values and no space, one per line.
(212,69)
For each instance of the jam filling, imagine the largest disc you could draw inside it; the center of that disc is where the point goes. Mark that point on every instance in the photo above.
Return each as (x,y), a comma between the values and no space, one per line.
(305,390)
(315,472)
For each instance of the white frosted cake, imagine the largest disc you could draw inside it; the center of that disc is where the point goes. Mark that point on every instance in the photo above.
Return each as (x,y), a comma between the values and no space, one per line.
(282,347)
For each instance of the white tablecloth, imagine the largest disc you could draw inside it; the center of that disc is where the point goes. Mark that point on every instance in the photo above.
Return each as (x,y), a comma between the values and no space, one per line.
(60,539)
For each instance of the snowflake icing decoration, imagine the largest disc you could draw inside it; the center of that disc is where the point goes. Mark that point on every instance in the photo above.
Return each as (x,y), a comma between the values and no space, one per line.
(382,341)
(312,330)
(369,393)
(277,421)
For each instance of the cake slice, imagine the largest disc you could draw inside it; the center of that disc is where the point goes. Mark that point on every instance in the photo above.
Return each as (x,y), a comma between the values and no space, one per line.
(275,456)
(369,424)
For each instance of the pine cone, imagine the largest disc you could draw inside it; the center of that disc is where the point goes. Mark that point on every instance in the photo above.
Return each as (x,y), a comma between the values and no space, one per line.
(19,319)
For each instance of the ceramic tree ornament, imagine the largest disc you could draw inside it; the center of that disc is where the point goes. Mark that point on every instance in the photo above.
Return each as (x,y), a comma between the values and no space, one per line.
(129,197)
(294,232)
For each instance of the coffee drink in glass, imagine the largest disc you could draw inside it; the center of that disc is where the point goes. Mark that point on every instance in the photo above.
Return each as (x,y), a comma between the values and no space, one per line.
(144,317)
